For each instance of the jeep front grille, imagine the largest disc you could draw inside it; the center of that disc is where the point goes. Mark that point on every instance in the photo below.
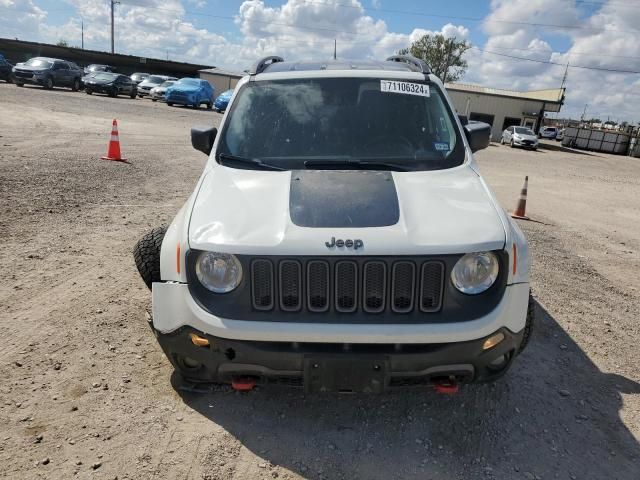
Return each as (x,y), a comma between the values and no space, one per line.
(347,286)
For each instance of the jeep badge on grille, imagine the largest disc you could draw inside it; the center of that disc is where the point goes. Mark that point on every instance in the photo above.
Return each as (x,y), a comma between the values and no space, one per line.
(355,244)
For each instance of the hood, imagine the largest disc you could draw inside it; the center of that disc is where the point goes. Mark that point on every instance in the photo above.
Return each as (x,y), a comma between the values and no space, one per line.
(29,68)
(391,213)
(183,88)
(524,136)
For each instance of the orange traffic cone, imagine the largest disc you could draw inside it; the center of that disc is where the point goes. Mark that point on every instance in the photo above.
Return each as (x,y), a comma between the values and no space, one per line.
(113,152)
(522,202)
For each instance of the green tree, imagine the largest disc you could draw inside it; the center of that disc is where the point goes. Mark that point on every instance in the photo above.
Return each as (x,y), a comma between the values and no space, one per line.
(444,55)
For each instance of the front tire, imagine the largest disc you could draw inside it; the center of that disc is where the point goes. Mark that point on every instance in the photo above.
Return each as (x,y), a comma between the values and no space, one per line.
(209,106)
(76,85)
(89,92)
(146,254)
(132,95)
(48,83)
(19,84)
(501,140)
(528,326)
(512,144)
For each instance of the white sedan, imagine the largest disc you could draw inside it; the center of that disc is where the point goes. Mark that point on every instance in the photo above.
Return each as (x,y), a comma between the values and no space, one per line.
(519,137)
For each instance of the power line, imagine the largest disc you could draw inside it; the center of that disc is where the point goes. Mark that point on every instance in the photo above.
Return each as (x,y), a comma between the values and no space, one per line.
(548,62)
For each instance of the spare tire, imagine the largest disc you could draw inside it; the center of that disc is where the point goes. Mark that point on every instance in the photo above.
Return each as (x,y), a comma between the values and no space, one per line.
(146,254)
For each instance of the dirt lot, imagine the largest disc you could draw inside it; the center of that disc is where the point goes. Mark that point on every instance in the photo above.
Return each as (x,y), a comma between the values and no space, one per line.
(87,393)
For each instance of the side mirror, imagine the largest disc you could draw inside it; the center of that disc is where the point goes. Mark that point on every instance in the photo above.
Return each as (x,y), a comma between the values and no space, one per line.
(478,135)
(202,138)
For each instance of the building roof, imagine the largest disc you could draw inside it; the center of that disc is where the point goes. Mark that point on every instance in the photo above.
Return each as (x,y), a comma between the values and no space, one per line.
(551,95)
(222,71)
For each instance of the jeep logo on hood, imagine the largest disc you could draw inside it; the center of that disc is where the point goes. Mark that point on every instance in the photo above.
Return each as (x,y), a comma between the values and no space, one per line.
(355,244)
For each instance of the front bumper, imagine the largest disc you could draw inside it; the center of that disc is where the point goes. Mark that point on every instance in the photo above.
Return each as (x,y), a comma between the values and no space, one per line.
(338,367)
(377,356)
(525,144)
(29,78)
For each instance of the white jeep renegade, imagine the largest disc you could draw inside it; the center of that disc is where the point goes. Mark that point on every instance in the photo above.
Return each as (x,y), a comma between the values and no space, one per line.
(340,239)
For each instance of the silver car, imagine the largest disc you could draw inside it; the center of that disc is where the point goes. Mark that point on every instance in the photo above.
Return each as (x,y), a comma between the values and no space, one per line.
(145,86)
(519,137)
(157,93)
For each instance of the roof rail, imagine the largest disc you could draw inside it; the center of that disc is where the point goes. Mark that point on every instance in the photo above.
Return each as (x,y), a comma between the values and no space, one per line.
(263,63)
(417,64)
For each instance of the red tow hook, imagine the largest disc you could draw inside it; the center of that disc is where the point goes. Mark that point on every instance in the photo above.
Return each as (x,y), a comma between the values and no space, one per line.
(243,384)
(447,387)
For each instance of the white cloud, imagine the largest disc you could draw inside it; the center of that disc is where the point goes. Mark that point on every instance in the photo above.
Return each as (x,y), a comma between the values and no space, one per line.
(303,29)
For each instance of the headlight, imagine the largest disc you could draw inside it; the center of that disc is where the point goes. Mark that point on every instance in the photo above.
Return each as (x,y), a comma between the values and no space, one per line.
(218,272)
(475,272)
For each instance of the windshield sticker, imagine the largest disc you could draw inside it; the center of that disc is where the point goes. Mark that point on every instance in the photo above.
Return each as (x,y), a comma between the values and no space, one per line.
(441,147)
(404,87)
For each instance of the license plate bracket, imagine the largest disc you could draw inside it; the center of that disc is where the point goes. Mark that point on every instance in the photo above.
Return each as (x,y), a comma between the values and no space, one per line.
(345,374)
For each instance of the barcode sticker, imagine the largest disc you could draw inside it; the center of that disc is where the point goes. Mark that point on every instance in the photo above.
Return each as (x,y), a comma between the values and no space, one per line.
(407,88)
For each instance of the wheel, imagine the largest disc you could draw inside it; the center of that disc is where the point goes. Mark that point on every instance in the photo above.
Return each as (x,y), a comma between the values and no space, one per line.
(48,83)
(19,84)
(195,105)
(512,144)
(146,254)
(209,106)
(528,326)
(154,99)
(76,85)
(89,92)
(501,140)
(113,93)
(170,104)
(132,95)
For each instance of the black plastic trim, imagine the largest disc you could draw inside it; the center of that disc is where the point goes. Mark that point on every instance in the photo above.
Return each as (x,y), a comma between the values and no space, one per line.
(455,306)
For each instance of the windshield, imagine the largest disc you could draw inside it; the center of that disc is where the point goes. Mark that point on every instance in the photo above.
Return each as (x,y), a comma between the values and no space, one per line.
(154,79)
(286,123)
(524,131)
(189,81)
(37,62)
(104,76)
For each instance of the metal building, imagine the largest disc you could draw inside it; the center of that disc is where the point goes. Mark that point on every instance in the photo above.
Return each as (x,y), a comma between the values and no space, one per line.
(220,79)
(504,108)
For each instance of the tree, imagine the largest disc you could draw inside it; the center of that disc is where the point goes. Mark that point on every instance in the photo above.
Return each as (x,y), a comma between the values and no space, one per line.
(444,55)
(62,43)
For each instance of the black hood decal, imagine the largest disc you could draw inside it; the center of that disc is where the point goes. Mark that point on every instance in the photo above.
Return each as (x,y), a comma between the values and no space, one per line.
(343,199)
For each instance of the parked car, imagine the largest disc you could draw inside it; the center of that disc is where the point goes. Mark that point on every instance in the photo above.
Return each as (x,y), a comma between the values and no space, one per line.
(138,77)
(548,132)
(190,91)
(519,137)
(48,72)
(560,135)
(220,105)
(95,68)
(157,93)
(113,84)
(145,86)
(6,68)
(340,239)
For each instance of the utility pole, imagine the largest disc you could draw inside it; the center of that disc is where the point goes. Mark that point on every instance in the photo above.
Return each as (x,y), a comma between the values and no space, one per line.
(113,3)
(335,49)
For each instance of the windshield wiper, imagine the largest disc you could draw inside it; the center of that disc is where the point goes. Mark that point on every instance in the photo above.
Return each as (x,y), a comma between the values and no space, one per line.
(227,159)
(356,164)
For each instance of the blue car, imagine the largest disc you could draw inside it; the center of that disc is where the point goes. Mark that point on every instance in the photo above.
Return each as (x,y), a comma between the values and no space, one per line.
(222,101)
(190,91)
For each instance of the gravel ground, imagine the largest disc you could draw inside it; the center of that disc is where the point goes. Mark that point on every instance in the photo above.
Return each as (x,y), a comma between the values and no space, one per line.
(87,393)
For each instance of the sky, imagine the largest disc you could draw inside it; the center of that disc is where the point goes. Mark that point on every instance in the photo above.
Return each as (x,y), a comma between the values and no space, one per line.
(603,35)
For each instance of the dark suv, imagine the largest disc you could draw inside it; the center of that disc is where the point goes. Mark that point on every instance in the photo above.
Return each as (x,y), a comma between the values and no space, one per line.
(5,69)
(48,72)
